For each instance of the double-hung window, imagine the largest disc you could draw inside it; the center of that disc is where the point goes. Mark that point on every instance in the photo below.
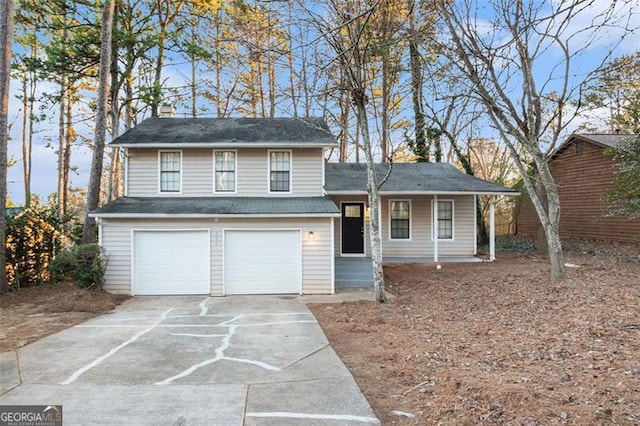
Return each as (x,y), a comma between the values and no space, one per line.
(400,220)
(225,171)
(444,226)
(280,171)
(170,171)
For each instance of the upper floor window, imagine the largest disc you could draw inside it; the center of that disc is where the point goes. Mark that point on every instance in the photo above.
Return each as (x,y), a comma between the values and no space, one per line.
(170,171)
(400,214)
(444,226)
(225,171)
(280,171)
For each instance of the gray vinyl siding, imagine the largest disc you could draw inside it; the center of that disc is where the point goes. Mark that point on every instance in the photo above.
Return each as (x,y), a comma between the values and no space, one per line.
(317,254)
(142,172)
(252,174)
(420,244)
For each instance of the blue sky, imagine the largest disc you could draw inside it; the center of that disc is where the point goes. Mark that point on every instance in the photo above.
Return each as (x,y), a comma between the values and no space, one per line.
(44,175)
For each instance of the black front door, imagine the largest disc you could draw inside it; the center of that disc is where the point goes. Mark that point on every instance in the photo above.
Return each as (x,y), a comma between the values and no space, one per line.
(352,228)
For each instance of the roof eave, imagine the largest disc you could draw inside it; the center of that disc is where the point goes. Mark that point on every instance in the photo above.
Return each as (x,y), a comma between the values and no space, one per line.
(226,144)
(506,193)
(208,216)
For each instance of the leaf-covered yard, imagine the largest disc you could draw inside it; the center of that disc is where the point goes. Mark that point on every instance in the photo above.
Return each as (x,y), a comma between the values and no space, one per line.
(31,313)
(498,343)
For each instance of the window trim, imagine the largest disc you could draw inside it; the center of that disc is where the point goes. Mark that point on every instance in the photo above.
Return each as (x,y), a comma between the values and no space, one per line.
(269,151)
(390,214)
(235,170)
(159,166)
(453,220)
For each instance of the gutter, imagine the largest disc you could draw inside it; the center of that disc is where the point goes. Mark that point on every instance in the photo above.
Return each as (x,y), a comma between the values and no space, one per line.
(208,216)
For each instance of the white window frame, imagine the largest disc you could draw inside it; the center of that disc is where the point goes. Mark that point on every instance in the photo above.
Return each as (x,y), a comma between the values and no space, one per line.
(390,212)
(235,171)
(434,228)
(269,191)
(160,152)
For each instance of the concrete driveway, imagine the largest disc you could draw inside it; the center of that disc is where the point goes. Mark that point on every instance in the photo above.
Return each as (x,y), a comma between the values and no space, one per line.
(190,361)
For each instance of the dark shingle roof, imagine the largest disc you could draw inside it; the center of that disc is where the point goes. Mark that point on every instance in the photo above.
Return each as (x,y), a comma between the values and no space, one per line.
(215,206)
(604,140)
(407,177)
(175,132)
(610,140)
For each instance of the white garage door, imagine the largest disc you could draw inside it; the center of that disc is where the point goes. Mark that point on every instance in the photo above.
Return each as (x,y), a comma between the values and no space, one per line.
(171,262)
(262,262)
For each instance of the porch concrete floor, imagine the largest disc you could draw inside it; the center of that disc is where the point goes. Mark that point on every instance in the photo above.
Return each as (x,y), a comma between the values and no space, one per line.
(358,271)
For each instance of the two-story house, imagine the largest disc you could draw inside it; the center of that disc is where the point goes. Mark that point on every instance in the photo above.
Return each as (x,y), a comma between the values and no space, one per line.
(250,206)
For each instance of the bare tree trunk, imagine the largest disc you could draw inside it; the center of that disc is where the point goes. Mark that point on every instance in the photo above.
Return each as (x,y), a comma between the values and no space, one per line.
(93,193)
(69,139)
(374,207)
(6,35)
(61,146)
(384,140)
(351,51)
(271,78)
(292,85)
(421,149)
(113,186)
(345,107)
(25,157)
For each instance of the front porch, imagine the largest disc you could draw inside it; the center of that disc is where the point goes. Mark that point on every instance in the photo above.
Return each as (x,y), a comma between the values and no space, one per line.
(358,271)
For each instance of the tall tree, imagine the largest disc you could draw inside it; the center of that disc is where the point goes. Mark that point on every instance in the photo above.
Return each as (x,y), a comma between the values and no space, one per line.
(6,34)
(346,36)
(524,96)
(93,192)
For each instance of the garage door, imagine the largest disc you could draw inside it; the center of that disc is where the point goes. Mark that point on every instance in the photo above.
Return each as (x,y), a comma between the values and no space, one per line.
(262,262)
(171,262)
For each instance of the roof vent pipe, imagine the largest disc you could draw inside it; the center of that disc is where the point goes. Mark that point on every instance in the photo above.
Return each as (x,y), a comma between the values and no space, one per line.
(167,111)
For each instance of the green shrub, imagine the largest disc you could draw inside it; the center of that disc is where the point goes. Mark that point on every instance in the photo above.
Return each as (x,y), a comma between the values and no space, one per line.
(82,264)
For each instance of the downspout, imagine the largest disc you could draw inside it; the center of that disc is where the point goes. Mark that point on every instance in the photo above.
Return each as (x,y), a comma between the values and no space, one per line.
(475,225)
(125,153)
(436,234)
(99,223)
(492,229)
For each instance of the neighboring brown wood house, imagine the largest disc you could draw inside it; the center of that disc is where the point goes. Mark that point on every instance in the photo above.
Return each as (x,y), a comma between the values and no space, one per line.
(583,174)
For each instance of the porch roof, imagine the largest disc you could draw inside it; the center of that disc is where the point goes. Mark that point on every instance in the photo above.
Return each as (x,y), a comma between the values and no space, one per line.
(194,207)
(408,178)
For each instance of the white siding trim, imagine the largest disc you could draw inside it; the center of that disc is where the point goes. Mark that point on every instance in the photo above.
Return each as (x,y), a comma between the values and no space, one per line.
(208,216)
(434,228)
(99,222)
(224,144)
(125,154)
(235,169)
(333,256)
(166,193)
(400,193)
(269,191)
(475,225)
(391,200)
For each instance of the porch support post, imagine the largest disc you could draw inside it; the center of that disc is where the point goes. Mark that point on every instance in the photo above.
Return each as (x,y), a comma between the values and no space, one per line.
(380,228)
(492,228)
(435,228)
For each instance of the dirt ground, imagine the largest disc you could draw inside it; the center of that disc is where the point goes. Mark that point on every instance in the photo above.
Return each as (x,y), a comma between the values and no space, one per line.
(498,343)
(32,313)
